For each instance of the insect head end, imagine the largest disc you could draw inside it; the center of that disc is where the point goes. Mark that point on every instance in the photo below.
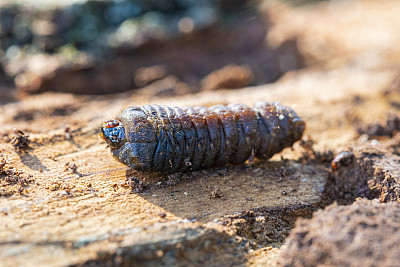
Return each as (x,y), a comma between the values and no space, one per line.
(113,132)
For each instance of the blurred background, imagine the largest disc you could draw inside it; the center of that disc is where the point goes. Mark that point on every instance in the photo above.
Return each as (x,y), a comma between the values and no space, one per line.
(177,47)
(104,47)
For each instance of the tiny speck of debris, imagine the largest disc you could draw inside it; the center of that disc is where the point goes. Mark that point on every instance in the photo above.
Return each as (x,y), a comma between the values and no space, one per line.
(20,139)
(71,166)
(185,193)
(249,199)
(281,117)
(217,193)
(162,214)
(67,133)
(136,185)
(284,193)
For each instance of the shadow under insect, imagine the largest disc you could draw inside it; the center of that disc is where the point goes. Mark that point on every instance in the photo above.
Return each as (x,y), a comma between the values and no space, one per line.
(288,189)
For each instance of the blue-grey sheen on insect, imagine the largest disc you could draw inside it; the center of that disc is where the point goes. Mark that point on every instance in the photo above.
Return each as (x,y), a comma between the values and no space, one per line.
(156,138)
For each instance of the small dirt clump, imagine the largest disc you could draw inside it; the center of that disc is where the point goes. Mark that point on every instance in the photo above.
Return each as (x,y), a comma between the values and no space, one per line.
(310,154)
(71,166)
(20,140)
(136,185)
(390,128)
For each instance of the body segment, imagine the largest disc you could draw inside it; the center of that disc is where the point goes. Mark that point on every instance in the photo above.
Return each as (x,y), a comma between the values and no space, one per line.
(156,138)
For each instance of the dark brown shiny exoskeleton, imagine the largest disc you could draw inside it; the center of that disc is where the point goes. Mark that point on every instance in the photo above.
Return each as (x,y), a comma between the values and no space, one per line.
(156,138)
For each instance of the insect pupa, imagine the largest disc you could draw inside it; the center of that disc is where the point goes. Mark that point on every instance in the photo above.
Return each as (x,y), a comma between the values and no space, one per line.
(165,139)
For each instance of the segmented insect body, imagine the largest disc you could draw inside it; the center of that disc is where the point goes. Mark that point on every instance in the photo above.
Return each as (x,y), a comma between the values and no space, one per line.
(155,138)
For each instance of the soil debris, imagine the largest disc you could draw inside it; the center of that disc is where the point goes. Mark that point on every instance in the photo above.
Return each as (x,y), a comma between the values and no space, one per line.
(71,166)
(14,181)
(362,234)
(346,183)
(312,155)
(20,140)
(217,193)
(368,173)
(266,226)
(390,128)
(67,132)
(136,185)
